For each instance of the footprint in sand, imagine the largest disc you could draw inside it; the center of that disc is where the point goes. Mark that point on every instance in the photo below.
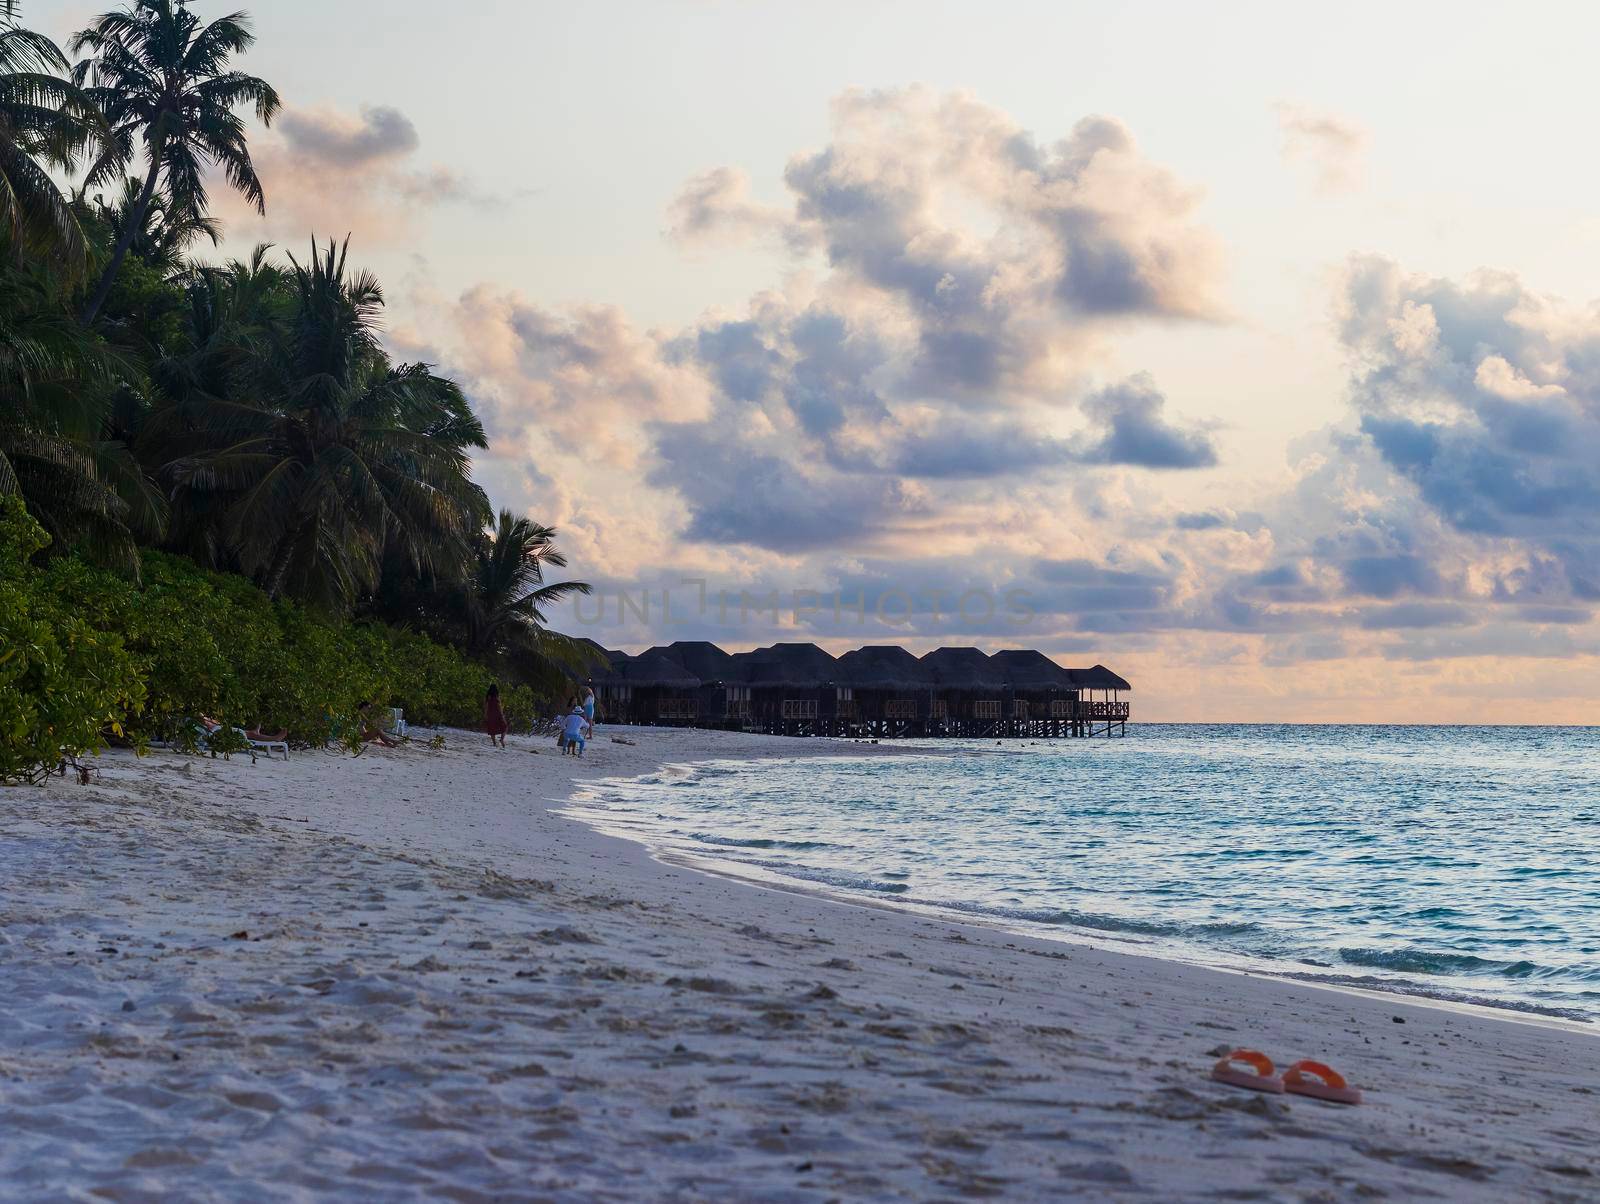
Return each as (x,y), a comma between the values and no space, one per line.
(566,936)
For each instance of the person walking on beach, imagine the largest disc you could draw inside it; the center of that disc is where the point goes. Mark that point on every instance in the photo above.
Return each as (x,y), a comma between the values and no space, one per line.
(572,728)
(494,719)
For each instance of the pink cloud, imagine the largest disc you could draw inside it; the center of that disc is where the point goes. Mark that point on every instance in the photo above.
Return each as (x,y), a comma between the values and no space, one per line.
(327,172)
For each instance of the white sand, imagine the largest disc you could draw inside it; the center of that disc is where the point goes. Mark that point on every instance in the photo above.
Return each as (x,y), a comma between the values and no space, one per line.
(402,977)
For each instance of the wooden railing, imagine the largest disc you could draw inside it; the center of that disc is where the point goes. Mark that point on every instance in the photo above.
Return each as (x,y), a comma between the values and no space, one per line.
(1062,709)
(1104,710)
(804,709)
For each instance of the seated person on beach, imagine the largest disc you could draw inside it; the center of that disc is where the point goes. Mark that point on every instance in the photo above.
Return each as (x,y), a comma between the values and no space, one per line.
(572,728)
(250,733)
(561,723)
(370,731)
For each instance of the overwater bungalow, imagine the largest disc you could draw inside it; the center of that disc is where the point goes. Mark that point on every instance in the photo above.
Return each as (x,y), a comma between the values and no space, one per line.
(717,697)
(879,690)
(648,688)
(1036,687)
(796,689)
(1101,693)
(969,698)
(892,691)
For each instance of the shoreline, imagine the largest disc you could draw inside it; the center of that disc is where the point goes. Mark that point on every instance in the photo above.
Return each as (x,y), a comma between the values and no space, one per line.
(446,986)
(1458,1003)
(709,862)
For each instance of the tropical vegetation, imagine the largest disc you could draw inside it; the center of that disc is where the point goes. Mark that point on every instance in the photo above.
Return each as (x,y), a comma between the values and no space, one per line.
(221,494)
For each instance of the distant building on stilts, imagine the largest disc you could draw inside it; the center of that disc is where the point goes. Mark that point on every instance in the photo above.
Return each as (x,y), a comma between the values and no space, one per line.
(877,691)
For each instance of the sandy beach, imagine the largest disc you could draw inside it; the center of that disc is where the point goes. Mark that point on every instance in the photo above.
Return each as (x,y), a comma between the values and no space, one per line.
(407,976)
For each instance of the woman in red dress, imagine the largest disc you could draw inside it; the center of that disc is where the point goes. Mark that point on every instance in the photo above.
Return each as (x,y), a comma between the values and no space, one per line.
(494,719)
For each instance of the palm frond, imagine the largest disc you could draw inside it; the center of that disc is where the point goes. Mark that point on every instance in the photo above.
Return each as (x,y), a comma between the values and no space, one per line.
(164,82)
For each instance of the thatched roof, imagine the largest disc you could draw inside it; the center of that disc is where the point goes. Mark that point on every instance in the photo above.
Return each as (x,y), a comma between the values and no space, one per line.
(885,667)
(802,665)
(651,669)
(1025,669)
(600,658)
(606,671)
(962,669)
(1100,678)
(701,657)
(687,664)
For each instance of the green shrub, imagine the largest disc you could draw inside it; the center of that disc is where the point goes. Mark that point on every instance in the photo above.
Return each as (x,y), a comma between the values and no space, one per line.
(436,685)
(522,707)
(85,653)
(65,681)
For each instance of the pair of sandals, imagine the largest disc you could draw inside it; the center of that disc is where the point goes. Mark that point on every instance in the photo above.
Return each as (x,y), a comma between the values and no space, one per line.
(1252,1069)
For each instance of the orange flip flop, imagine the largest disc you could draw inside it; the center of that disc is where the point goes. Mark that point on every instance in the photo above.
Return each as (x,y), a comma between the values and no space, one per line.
(1320,1081)
(1262,1079)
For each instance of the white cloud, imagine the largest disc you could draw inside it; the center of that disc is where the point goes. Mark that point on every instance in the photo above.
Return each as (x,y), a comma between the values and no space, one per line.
(1332,146)
(1496,375)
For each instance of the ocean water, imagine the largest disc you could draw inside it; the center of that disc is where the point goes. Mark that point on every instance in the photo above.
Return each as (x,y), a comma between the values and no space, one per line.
(1462,863)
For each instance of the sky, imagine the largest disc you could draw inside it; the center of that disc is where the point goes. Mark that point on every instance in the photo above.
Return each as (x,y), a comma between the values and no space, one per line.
(1251,350)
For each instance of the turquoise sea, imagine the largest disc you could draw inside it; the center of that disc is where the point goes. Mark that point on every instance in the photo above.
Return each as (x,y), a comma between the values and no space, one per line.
(1457,862)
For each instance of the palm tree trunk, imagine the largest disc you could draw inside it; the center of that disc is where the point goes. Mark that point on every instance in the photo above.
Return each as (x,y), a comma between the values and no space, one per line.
(273,584)
(283,554)
(135,221)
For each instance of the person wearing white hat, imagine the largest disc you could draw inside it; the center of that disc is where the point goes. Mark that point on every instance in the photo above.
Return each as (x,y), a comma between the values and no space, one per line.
(573,728)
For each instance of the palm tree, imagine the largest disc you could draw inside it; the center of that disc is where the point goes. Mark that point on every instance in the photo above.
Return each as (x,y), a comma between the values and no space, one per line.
(45,122)
(162,80)
(56,448)
(322,455)
(160,234)
(233,312)
(505,597)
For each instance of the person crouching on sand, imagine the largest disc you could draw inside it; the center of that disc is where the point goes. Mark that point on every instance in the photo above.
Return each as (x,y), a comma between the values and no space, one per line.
(572,728)
(494,719)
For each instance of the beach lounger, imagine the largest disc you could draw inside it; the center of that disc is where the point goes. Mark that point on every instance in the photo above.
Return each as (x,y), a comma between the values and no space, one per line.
(269,746)
(258,745)
(195,729)
(203,743)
